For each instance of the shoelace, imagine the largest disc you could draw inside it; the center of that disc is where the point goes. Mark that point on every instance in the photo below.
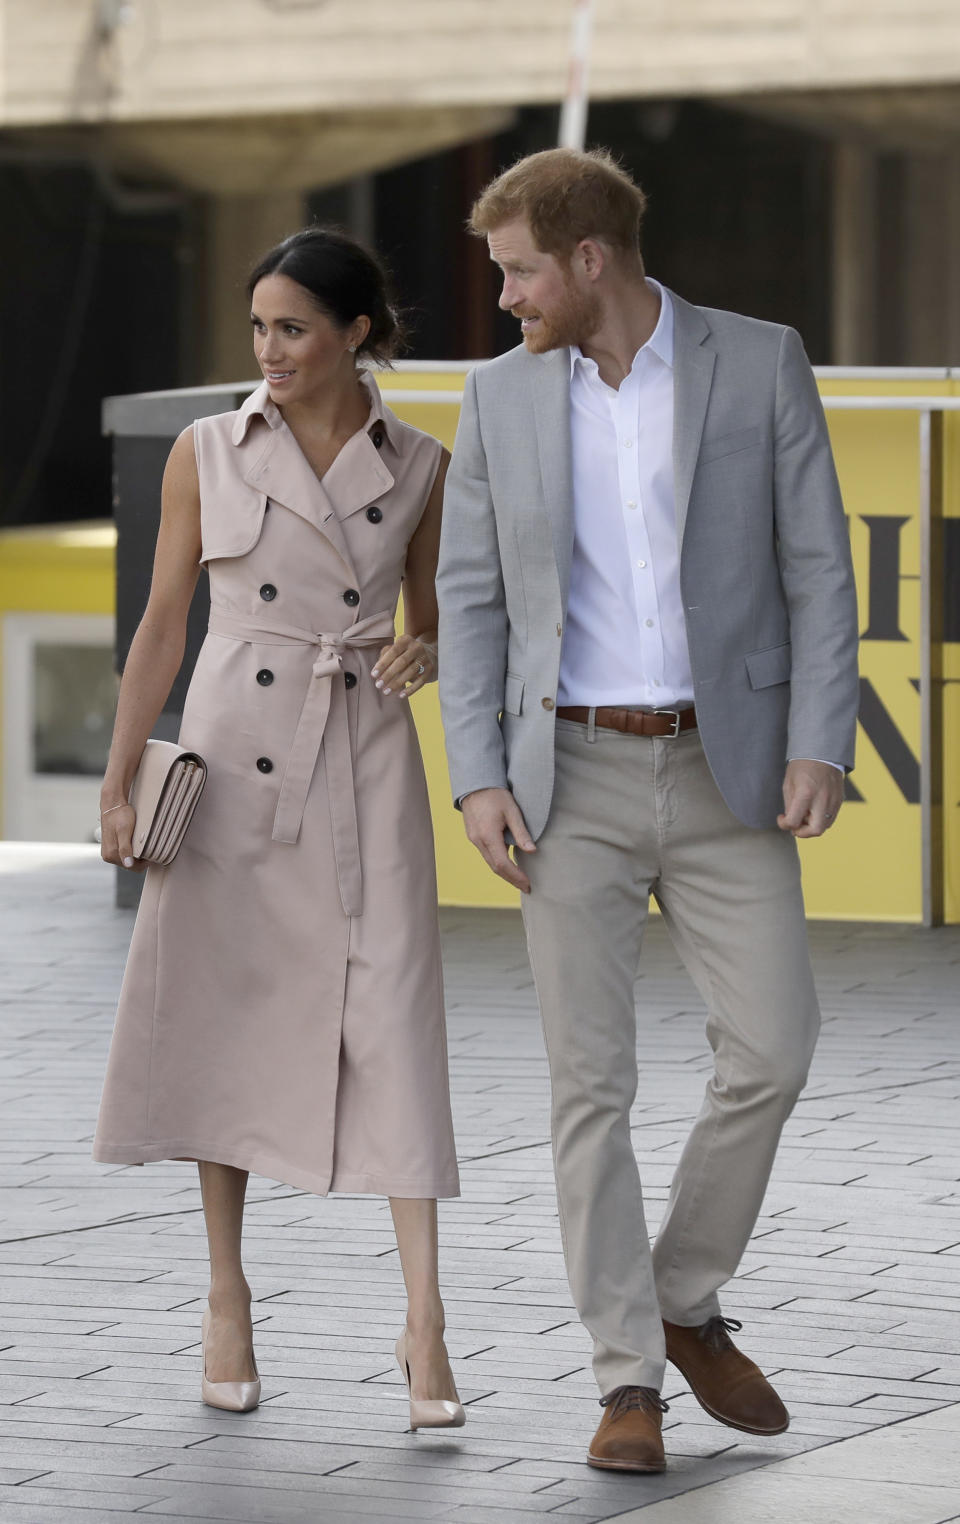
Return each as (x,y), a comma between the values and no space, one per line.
(715,1333)
(623,1398)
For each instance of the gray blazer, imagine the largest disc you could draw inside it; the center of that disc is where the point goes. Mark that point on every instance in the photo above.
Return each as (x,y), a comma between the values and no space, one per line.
(765,570)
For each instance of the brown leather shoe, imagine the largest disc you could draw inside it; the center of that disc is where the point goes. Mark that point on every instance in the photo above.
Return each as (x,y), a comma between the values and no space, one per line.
(629,1438)
(725,1383)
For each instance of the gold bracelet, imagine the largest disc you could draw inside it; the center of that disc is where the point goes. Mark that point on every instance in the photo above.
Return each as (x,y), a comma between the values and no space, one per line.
(113,807)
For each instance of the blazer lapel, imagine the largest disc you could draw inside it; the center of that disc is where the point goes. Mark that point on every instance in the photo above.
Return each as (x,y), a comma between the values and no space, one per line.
(551,400)
(693,362)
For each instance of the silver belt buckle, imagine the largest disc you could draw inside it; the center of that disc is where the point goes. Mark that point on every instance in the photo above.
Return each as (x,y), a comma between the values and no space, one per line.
(675,713)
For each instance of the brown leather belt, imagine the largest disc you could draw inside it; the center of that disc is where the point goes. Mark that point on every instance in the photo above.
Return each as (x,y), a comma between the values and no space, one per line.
(633,722)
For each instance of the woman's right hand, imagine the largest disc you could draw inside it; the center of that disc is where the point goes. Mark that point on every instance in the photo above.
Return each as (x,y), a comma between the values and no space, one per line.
(156,650)
(116,837)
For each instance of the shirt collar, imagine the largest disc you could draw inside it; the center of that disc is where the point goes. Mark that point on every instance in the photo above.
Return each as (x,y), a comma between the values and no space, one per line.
(660,341)
(260,405)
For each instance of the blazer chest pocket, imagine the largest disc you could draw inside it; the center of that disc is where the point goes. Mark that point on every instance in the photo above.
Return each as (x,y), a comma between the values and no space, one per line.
(513,694)
(765,668)
(729,444)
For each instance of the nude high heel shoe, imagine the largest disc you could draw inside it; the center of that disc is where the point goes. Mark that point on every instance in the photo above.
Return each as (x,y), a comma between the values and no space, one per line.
(432,1413)
(235,1396)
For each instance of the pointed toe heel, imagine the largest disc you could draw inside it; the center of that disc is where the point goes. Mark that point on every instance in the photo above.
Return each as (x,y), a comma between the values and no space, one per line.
(428,1413)
(232,1396)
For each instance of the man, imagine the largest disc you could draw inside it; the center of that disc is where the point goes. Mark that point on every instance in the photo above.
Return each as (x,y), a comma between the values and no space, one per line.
(648,679)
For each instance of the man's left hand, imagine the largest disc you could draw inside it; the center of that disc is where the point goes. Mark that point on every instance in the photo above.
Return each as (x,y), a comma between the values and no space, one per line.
(812,796)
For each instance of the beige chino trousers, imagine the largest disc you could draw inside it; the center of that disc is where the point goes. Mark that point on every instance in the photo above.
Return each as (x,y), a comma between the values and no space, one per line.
(634,816)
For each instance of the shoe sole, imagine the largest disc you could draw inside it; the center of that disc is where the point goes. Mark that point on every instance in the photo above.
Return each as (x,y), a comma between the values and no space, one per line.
(615,1465)
(744,1428)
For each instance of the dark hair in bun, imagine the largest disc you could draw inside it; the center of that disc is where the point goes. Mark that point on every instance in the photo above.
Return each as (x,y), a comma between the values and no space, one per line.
(345,280)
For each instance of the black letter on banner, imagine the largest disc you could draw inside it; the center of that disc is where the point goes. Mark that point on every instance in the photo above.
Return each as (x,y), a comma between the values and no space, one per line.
(895,754)
(885,577)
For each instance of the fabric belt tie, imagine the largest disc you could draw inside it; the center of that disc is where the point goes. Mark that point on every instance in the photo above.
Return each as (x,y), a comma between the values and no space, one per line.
(633,722)
(310,735)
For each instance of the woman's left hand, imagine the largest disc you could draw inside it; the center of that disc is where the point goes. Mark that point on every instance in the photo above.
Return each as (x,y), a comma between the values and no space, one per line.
(404,667)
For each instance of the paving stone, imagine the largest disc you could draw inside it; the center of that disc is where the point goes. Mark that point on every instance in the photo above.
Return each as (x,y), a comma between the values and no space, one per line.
(81,1491)
(21,1506)
(13,1476)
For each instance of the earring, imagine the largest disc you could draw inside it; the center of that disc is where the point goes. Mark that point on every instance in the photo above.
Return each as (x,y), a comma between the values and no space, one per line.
(352,348)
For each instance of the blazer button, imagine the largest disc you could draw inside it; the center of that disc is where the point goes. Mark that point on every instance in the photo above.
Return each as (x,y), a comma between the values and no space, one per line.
(374,515)
(351,597)
(548,703)
(268,592)
(264,677)
(264,765)
(349,679)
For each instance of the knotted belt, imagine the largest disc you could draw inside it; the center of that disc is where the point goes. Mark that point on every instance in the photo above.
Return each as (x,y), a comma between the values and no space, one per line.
(309,737)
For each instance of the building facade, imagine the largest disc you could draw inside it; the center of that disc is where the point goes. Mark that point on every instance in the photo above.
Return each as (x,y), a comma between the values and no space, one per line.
(802,162)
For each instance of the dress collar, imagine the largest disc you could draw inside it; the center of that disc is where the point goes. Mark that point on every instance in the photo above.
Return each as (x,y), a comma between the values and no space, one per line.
(260,405)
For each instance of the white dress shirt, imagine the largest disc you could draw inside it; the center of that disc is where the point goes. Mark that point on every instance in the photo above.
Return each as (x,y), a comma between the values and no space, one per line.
(625,640)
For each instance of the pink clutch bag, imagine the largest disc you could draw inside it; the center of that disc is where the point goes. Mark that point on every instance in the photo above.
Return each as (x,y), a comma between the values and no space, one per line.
(164,794)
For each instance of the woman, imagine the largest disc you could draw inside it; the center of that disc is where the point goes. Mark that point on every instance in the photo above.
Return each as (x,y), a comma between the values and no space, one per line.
(282,1008)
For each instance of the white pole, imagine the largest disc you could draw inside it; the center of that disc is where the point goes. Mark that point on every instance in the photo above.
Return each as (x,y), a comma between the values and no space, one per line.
(573,116)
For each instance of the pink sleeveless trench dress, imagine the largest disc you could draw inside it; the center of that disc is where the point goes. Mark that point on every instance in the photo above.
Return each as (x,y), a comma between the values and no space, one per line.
(282,1006)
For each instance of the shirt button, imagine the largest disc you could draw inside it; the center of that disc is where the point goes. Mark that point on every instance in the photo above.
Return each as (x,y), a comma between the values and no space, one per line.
(264,765)
(656,682)
(627,443)
(349,679)
(351,597)
(631,502)
(378,439)
(264,677)
(648,623)
(374,515)
(548,703)
(559,629)
(268,592)
(641,564)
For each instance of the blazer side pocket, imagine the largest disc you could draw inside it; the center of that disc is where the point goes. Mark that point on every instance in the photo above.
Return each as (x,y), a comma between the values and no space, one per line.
(513,694)
(764,668)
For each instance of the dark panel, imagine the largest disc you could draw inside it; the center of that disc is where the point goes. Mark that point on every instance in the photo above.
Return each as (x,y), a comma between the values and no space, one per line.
(418,222)
(89,296)
(138,471)
(890,332)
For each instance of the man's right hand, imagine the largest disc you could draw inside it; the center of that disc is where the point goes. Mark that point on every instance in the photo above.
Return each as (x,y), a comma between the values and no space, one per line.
(487,814)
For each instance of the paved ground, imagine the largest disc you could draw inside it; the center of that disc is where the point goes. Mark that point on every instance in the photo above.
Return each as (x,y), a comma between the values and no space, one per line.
(849,1292)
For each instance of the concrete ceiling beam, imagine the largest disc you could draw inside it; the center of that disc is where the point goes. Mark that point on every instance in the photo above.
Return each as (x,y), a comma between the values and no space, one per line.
(255,155)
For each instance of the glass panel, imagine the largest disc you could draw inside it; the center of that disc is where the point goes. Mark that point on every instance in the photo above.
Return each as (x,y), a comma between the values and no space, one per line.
(74,699)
